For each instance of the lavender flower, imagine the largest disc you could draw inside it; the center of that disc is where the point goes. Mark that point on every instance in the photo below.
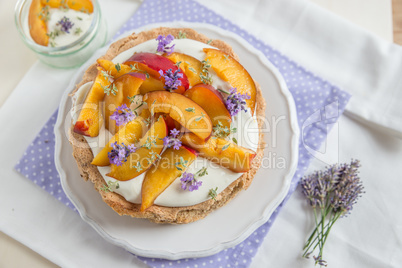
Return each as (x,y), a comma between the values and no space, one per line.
(235,102)
(122,115)
(163,43)
(172,79)
(340,185)
(119,153)
(190,181)
(318,260)
(316,186)
(174,132)
(347,190)
(65,24)
(333,192)
(172,140)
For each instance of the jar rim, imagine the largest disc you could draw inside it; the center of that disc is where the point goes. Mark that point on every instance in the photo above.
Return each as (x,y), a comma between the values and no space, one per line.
(50,50)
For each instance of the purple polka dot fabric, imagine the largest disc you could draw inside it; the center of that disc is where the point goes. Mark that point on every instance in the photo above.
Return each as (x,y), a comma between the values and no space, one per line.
(37,163)
(318,103)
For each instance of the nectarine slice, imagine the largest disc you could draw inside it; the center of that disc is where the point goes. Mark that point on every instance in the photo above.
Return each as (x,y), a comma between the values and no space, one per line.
(231,71)
(222,152)
(128,134)
(79,5)
(90,120)
(170,122)
(190,66)
(37,23)
(212,102)
(151,146)
(185,111)
(110,67)
(152,63)
(131,85)
(127,85)
(150,83)
(162,174)
(111,103)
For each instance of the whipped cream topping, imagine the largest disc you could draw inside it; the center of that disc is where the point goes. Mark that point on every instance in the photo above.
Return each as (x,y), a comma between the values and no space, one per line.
(82,21)
(247,136)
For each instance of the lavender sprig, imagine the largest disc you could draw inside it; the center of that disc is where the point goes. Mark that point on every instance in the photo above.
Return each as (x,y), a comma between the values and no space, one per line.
(331,193)
(222,132)
(122,115)
(110,186)
(235,102)
(163,42)
(190,181)
(172,79)
(205,76)
(119,153)
(172,140)
(65,24)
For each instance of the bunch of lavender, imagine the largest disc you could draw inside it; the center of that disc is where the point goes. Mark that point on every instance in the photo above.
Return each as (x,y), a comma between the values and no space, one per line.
(332,193)
(172,79)
(120,152)
(163,42)
(122,115)
(172,140)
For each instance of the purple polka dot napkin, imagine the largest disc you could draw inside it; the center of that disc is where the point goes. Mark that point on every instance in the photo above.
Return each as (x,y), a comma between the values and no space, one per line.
(37,163)
(318,104)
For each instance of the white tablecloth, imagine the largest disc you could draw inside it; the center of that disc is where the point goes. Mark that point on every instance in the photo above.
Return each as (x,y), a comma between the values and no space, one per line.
(354,59)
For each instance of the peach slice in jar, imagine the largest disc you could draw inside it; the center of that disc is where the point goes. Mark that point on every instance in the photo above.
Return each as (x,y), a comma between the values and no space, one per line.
(221,151)
(171,166)
(90,119)
(212,102)
(183,110)
(231,71)
(150,147)
(37,23)
(78,5)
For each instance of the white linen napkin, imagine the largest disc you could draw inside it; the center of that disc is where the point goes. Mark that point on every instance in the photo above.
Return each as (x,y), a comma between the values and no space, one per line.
(350,57)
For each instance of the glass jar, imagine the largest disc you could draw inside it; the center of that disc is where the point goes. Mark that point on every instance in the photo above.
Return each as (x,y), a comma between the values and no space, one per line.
(67,56)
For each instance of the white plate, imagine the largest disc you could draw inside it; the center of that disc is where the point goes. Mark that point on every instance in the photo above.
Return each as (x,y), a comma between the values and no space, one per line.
(229,225)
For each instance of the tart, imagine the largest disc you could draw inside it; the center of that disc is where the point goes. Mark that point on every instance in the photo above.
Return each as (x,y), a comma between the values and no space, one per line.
(160,125)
